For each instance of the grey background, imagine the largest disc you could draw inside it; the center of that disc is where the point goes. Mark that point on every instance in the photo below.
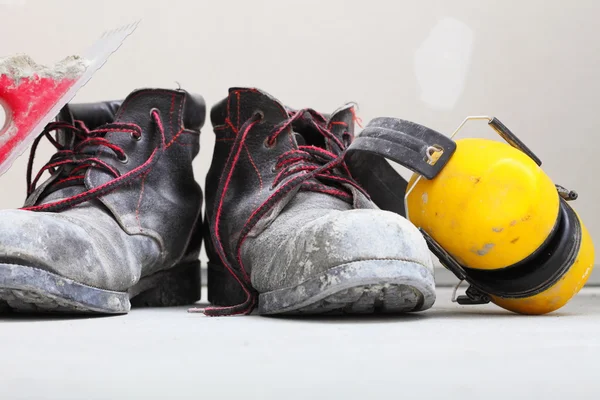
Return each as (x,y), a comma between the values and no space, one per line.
(534,64)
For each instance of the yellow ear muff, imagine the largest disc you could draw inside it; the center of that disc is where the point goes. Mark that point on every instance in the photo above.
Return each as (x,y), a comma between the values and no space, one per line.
(487,210)
(500,218)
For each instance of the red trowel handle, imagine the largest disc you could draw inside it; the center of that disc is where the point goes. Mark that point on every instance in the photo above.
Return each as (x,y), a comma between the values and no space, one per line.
(32,94)
(26,100)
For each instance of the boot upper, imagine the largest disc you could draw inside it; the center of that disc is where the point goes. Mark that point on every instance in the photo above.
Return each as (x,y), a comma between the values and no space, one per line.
(127,204)
(265,154)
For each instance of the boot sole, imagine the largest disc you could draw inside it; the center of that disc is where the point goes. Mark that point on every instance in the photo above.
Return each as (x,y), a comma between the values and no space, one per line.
(361,287)
(29,289)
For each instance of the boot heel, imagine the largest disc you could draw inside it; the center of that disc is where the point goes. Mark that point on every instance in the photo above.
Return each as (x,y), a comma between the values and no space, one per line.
(178,286)
(223,289)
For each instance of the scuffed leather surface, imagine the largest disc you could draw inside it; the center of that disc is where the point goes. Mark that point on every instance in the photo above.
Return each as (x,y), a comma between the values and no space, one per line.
(84,244)
(316,232)
(140,228)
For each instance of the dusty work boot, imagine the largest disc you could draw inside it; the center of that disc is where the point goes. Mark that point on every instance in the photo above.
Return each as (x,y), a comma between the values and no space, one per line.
(287,228)
(118,221)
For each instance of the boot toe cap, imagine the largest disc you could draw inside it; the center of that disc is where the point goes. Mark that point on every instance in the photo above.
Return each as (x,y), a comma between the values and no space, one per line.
(63,245)
(366,234)
(335,239)
(40,239)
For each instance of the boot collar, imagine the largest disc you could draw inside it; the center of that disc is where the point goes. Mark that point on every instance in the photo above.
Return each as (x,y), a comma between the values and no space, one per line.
(134,117)
(241,104)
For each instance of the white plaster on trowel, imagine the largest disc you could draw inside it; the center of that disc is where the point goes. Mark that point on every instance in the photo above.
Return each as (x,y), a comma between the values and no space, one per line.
(442,63)
(22,66)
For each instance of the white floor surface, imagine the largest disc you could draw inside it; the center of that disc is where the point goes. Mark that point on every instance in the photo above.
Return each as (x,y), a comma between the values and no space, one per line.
(448,352)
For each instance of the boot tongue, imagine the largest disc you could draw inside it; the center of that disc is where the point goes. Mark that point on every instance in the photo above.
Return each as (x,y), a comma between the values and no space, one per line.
(92,115)
(307,134)
(299,139)
(342,121)
(95,114)
(338,123)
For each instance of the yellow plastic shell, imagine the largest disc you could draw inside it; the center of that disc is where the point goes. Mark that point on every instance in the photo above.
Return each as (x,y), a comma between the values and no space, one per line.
(490,207)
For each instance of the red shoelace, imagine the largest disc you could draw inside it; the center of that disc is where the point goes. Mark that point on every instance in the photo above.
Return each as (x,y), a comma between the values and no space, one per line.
(82,160)
(325,168)
(313,158)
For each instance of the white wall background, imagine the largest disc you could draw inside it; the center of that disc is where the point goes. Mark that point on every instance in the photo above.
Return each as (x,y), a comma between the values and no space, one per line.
(534,64)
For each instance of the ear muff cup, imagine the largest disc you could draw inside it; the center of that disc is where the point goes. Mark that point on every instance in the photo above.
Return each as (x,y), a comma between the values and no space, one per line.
(500,216)
(490,207)
(576,250)
(539,271)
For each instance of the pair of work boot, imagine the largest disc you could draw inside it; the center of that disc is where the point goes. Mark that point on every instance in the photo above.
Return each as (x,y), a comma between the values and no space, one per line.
(287,228)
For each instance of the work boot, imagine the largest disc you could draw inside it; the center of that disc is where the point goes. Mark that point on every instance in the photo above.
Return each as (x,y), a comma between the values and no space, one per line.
(287,228)
(118,221)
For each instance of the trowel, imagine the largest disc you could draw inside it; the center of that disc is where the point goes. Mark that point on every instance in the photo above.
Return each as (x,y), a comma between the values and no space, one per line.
(31,95)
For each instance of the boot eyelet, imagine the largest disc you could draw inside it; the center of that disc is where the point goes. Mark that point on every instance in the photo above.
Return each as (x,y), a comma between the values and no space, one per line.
(154,109)
(124,160)
(137,138)
(274,168)
(261,116)
(269,145)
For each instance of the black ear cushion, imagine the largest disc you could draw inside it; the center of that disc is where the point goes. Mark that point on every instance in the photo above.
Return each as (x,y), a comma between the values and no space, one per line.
(539,271)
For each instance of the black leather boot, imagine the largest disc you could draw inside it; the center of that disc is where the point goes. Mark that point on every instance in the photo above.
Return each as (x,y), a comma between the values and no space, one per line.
(288,230)
(118,221)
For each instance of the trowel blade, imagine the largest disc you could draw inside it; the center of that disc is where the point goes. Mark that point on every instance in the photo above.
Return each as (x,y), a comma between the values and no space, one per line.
(32,94)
